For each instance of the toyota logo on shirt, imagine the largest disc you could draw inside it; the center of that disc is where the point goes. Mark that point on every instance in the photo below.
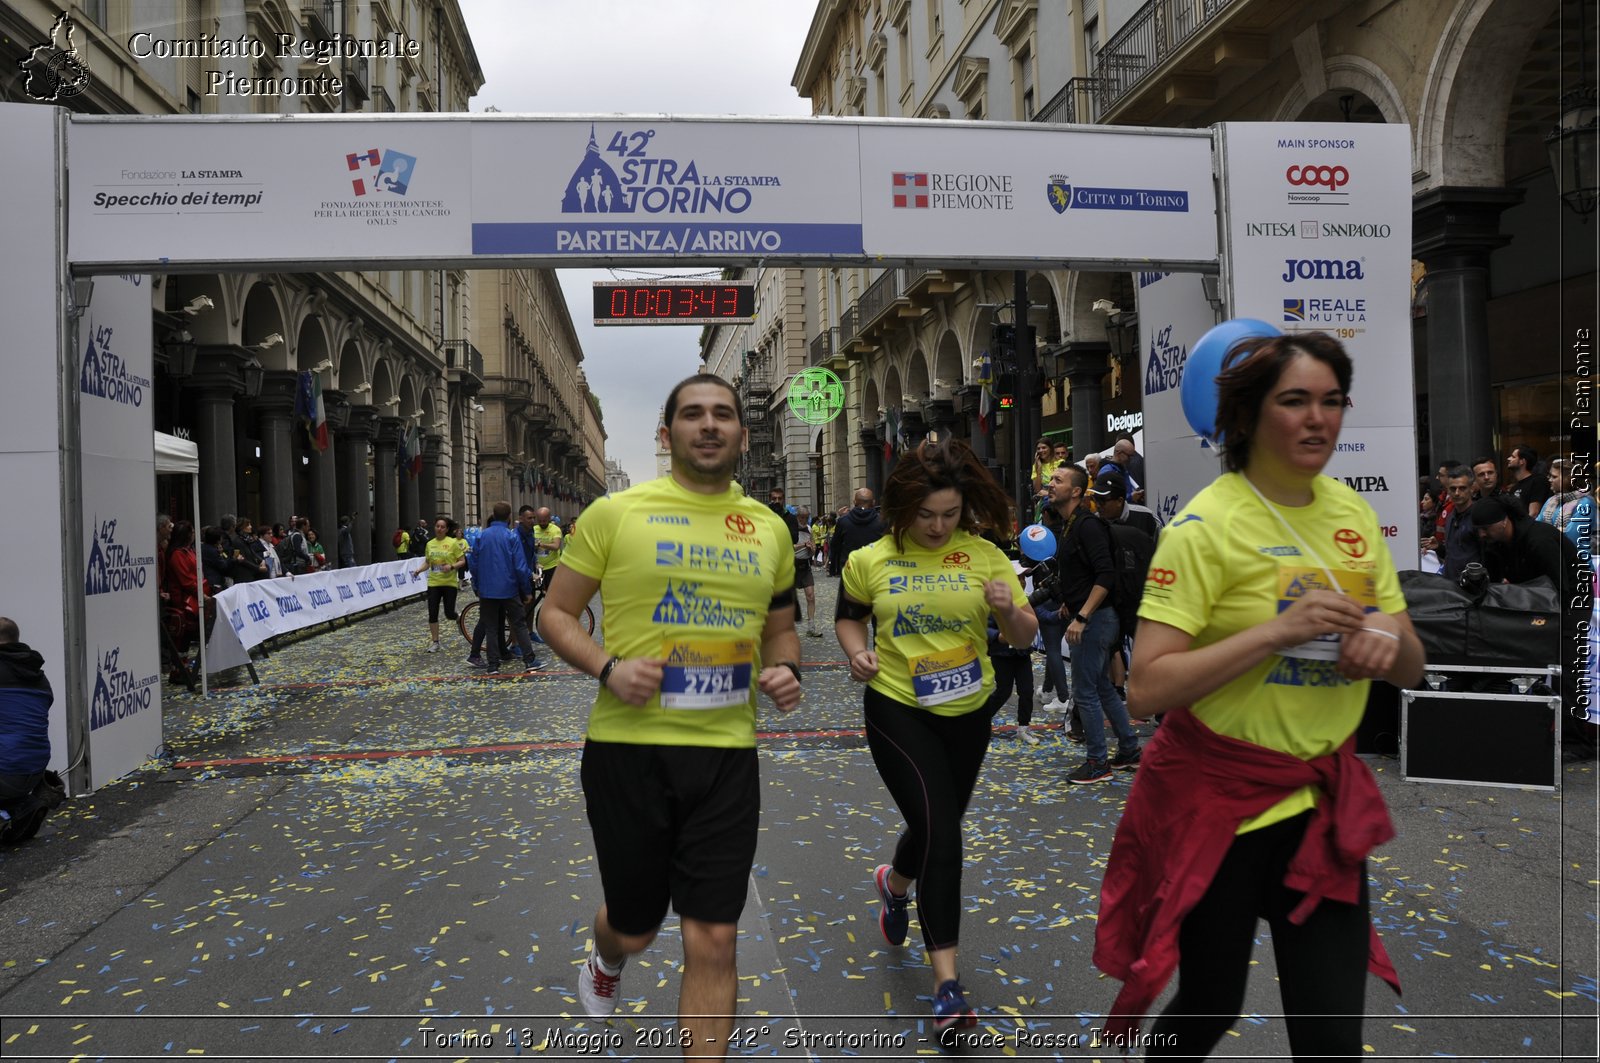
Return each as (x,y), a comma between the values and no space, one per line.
(1350,542)
(1329,177)
(739,524)
(958,558)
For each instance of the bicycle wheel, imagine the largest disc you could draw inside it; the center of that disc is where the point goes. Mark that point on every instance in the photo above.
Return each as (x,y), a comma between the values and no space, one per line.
(467,620)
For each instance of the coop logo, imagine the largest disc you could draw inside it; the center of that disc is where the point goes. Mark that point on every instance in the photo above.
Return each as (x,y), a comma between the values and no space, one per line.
(1162,577)
(112,566)
(105,375)
(1323,269)
(1329,177)
(381,171)
(1064,196)
(1165,369)
(1325,311)
(950,191)
(118,692)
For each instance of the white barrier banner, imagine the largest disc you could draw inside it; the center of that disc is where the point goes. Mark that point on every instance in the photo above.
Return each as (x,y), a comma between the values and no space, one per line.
(249,614)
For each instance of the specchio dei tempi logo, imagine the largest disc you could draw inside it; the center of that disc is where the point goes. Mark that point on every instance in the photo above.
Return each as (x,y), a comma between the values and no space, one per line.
(113,567)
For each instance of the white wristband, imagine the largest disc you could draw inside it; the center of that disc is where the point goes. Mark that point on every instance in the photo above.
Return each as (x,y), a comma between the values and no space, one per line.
(1380,631)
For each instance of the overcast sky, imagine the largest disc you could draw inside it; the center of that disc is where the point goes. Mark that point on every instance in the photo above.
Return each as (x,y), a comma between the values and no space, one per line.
(637,57)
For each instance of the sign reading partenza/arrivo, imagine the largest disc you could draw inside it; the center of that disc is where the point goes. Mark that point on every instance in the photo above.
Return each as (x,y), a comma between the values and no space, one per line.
(153,193)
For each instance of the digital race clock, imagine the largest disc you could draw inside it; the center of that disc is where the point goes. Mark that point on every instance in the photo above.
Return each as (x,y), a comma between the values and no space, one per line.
(661,302)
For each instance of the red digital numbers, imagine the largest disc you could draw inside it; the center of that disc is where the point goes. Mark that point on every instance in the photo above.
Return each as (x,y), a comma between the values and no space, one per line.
(667,302)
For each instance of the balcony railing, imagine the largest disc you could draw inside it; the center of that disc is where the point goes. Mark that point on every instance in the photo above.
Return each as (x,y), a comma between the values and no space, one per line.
(1145,41)
(880,295)
(1075,104)
(381,101)
(462,355)
(849,325)
(320,24)
(355,76)
(825,346)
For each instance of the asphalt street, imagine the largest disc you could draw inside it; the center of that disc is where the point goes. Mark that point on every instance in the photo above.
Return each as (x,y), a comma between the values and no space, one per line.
(380,853)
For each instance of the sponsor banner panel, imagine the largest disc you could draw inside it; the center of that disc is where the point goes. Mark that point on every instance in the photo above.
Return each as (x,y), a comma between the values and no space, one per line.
(250,613)
(1178,469)
(1056,194)
(1173,314)
(296,191)
(1378,462)
(122,609)
(1319,230)
(659,188)
(113,362)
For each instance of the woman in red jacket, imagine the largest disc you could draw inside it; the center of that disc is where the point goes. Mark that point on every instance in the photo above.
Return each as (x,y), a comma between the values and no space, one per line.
(1277,603)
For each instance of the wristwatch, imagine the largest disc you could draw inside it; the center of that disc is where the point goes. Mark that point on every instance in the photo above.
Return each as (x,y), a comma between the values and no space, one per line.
(605,670)
(1079,618)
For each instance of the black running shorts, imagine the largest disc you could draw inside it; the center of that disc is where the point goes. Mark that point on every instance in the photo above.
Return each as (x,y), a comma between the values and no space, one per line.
(672,824)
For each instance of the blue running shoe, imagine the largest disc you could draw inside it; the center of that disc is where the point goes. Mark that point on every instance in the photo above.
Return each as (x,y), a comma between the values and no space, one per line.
(892,917)
(951,1010)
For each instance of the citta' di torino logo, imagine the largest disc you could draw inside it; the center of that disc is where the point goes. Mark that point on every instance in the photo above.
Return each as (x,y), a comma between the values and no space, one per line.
(112,566)
(118,693)
(105,375)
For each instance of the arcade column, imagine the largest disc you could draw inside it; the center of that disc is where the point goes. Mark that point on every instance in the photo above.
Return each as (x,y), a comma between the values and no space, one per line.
(1086,369)
(872,447)
(1453,230)
(431,508)
(324,508)
(410,505)
(275,420)
(351,442)
(385,484)
(217,384)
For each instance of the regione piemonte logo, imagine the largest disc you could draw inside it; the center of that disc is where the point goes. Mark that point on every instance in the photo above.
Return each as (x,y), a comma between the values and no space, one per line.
(381,171)
(911,190)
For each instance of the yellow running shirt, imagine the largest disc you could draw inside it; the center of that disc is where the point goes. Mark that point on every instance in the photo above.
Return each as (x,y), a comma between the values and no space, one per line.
(688,578)
(1226,564)
(442,557)
(933,646)
(548,543)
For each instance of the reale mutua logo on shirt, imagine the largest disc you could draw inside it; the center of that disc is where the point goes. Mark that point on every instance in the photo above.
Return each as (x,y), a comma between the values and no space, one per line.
(111,566)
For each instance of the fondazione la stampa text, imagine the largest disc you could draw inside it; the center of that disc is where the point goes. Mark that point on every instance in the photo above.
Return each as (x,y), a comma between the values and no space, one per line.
(322,52)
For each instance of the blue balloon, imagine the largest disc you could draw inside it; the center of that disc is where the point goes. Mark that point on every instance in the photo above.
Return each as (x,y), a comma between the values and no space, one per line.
(1038,542)
(1200,369)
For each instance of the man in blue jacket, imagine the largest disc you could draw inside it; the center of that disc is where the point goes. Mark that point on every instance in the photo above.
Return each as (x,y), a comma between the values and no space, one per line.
(505,585)
(25,699)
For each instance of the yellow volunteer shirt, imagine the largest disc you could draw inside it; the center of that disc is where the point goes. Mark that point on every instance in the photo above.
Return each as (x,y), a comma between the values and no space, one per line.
(933,646)
(688,578)
(1226,564)
(548,543)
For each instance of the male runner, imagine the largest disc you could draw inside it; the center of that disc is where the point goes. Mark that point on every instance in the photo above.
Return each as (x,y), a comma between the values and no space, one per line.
(693,629)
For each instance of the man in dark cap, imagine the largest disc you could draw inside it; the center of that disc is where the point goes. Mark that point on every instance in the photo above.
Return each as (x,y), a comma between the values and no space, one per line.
(1110,497)
(1526,548)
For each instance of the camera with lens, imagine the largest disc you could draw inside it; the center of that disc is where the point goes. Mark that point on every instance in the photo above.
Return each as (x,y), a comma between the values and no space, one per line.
(1046,582)
(1475,581)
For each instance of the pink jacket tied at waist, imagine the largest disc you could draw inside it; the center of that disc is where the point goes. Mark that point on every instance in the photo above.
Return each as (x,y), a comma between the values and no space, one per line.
(1193,789)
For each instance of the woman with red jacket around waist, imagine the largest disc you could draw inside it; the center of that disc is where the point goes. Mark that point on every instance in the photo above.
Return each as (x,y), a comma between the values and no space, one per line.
(1272,602)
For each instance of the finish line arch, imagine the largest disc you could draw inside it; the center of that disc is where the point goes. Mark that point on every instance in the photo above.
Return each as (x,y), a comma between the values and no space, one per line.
(1307,225)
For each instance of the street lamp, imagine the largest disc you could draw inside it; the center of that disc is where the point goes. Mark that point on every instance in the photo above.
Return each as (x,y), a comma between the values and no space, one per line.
(181,353)
(254,373)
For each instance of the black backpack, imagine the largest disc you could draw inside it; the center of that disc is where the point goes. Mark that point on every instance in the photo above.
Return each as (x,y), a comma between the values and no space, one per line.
(1131,551)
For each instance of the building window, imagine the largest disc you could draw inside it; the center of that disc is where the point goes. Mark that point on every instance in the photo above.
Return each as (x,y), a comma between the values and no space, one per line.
(1091,40)
(95,11)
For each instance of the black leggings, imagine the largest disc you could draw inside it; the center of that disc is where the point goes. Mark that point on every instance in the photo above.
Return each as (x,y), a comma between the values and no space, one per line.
(1322,964)
(441,594)
(930,765)
(1012,672)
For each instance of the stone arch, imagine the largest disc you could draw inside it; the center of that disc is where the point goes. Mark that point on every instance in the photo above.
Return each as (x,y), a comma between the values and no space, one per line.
(871,403)
(1345,74)
(949,370)
(383,385)
(917,384)
(349,371)
(311,346)
(893,392)
(1047,323)
(264,317)
(409,406)
(1460,133)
